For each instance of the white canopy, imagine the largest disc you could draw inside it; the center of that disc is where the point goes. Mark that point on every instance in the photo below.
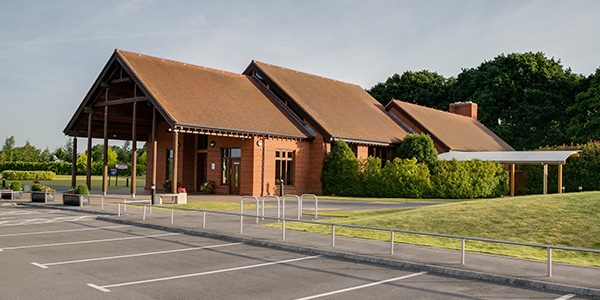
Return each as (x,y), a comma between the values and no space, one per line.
(514,157)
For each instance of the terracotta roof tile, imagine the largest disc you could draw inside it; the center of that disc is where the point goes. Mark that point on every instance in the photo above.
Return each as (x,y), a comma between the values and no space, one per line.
(210,98)
(460,133)
(342,109)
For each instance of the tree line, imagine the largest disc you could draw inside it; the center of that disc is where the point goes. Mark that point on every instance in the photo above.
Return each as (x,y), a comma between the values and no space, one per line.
(29,153)
(527,99)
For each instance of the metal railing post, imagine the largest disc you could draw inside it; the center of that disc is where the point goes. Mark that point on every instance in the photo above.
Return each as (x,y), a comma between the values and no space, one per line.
(278,206)
(242,206)
(462,251)
(171,216)
(102,202)
(549,262)
(391,242)
(299,205)
(144,218)
(119,209)
(283,228)
(316,203)
(204,219)
(332,235)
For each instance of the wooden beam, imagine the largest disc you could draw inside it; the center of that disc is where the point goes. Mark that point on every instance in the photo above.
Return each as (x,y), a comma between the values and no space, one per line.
(105,151)
(133,150)
(154,145)
(123,101)
(74,164)
(120,80)
(545,179)
(88,176)
(560,178)
(175,161)
(512,179)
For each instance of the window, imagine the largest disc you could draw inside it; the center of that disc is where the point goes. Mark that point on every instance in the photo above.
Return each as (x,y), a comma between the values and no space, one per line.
(202,143)
(284,167)
(230,155)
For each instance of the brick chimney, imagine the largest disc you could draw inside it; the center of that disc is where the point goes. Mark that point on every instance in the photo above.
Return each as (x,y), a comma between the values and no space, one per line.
(468,109)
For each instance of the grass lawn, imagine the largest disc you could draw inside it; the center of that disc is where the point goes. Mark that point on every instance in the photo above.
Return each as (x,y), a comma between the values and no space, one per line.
(569,220)
(65,180)
(393,199)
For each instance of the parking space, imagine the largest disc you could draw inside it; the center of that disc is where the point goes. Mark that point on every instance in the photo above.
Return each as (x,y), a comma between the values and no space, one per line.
(48,254)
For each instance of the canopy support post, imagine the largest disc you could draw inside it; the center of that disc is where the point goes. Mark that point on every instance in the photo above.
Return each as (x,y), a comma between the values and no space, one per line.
(560,178)
(545,179)
(512,180)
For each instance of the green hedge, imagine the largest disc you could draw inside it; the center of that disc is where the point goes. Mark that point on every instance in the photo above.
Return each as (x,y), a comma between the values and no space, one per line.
(341,174)
(56,167)
(582,171)
(27,175)
(468,179)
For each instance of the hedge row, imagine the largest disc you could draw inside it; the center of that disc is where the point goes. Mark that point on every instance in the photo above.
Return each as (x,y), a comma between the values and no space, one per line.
(582,171)
(27,175)
(344,175)
(56,167)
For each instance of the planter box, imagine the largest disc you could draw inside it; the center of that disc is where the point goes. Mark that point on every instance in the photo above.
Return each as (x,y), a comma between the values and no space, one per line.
(76,200)
(179,198)
(42,197)
(11,195)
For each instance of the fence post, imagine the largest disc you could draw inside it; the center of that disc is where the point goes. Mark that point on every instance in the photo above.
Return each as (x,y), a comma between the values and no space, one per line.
(204,219)
(549,262)
(144,218)
(283,228)
(332,235)
(462,251)
(119,209)
(391,242)
(171,216)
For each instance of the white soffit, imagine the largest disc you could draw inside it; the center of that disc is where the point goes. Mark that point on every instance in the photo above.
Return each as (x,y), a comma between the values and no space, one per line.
(514,157)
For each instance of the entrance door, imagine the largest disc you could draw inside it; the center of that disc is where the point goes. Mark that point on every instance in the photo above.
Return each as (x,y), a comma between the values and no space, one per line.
(234,176)
(200,170)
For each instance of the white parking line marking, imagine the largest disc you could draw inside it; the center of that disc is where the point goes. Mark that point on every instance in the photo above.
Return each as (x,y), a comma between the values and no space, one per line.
(45,266)
(15,212)
(104,288)
(565,297)
(60,231)
(361,286)
(45,221)
(88,242)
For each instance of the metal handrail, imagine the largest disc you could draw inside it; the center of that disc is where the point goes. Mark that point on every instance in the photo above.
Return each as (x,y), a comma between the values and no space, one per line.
(299,206)
(278,204)
(316,203)
(391,230)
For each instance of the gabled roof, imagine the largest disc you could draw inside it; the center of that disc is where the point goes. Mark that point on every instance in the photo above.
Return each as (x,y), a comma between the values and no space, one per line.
(343,110)
(459,133)
(195,96)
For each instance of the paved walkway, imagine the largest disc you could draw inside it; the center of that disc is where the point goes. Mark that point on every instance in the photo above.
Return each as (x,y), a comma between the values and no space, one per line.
(582,280)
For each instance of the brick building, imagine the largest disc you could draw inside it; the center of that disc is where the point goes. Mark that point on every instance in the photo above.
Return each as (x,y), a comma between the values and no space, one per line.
(250,132)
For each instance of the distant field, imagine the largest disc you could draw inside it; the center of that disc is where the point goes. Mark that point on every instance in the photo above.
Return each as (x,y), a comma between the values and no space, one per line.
(65,180)
(569,220)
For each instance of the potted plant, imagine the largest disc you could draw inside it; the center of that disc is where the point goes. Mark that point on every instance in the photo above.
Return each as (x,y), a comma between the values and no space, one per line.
(78,196)
(15,191)
(40,193)
(181,196)
(208,187)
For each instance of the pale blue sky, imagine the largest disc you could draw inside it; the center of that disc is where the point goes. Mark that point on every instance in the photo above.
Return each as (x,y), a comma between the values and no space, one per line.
(52,51)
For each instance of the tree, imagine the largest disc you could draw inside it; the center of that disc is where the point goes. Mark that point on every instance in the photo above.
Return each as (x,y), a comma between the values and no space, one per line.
(419,146)
(423,87)
(585,112)
(7,149)
(65,153)
(341,174)
(124,152)
(521,97)
(82,164)
(27,153)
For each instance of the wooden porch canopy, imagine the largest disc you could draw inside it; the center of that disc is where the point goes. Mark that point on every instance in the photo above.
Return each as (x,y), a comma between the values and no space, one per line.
(513,158)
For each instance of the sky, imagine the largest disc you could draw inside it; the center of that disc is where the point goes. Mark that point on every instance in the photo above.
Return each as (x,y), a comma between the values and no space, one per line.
(52,51)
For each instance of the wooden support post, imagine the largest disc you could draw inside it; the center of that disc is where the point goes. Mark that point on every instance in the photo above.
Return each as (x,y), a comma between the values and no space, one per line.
(154,144)
(134,150)
(175,160)
(88,176)
(512,180)
(545,179)
(560,178)
(74,164)
(105,150)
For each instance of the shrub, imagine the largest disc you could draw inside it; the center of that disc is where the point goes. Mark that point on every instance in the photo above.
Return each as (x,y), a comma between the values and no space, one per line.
(405,178)
(41,188)
(579,171)
(419,146)
(371,177)
(341,174)
(81,189)
(28,175)
(15,186)
(468,179)
(208,187)
(56,167)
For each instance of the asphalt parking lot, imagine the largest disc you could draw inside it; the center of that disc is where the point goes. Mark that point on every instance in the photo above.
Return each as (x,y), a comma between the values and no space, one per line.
(52,254)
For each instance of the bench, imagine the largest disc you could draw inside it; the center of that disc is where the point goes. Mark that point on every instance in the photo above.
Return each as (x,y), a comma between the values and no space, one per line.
(179,198)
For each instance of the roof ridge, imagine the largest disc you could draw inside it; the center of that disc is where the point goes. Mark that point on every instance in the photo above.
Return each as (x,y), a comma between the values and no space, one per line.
(438,110)
(309,74)
(182,63)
